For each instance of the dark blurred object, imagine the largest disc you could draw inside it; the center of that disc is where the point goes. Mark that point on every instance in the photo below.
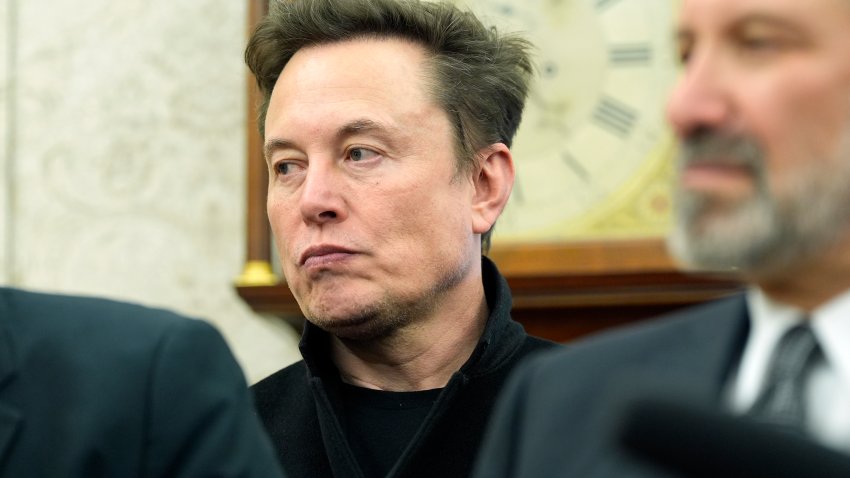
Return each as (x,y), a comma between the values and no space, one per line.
(703,442)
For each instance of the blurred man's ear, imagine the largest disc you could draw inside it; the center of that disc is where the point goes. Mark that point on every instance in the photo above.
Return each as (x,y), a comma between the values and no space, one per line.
(493,181)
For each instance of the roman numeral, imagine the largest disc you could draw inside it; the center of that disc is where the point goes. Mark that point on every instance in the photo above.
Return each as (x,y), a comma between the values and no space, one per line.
(575,166)
(630,55)
(615,116)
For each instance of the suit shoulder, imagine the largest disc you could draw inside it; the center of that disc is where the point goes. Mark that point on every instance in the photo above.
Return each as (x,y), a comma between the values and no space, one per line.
(39,321)
(640,342)
(533,344)
(68,311)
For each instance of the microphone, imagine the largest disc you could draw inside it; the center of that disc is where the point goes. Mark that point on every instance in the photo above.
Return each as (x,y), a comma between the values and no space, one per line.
(703,442)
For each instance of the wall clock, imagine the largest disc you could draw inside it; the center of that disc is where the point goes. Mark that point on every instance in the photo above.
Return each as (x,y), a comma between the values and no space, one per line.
(580,241)
(593,151)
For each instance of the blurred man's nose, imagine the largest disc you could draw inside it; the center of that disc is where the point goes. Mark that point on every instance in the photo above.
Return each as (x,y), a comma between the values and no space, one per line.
(700,99)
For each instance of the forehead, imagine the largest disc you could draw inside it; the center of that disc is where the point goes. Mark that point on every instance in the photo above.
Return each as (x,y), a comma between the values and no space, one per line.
(385,74)
(818,15)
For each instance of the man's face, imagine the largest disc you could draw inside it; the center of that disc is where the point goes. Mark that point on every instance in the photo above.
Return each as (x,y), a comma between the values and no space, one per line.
(763,114)
(370,217)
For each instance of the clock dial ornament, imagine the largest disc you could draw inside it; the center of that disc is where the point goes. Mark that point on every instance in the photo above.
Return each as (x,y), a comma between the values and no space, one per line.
(593,153)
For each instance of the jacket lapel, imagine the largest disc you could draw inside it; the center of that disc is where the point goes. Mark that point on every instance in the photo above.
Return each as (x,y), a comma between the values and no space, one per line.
(10,416)
(714,344)
(691,364)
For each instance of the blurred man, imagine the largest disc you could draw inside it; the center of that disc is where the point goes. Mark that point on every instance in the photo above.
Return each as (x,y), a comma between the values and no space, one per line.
(762,111)
(91,387)
(387,125)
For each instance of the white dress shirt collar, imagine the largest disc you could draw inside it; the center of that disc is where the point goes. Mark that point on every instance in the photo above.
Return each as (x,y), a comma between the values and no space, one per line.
(768,321)
(828,391)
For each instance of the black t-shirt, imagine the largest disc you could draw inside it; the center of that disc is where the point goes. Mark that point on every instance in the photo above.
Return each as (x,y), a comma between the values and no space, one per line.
(380,424)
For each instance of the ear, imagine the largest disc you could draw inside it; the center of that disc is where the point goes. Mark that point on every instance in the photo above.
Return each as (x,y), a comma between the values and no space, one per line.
(493,182)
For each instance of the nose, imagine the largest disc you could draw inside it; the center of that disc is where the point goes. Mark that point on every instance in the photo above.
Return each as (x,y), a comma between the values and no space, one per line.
(700,99)
(322,198)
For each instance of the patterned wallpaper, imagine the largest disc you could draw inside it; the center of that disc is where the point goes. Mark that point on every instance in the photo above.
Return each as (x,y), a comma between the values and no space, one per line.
(5,34)
(127,159)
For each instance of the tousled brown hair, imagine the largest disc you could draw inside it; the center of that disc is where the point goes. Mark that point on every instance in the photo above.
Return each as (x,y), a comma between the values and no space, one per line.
(477,75)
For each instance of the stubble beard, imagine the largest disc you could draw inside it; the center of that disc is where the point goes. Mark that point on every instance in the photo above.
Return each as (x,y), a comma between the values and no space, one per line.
(763,235)
(389,314)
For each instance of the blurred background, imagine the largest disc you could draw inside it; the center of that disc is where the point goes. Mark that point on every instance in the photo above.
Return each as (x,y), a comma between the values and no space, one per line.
(122,159)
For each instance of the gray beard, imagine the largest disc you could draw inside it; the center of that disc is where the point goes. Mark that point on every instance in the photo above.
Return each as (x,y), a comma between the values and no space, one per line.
(766,234)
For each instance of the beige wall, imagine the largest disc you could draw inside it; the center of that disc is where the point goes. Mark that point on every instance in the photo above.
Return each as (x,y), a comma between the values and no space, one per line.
(124,138)
(4,137)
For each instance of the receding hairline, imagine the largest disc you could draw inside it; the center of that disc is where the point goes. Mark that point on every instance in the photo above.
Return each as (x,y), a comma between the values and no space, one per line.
(427,77)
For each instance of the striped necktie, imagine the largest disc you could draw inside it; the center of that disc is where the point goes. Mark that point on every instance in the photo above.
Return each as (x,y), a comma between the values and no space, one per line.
(782,401)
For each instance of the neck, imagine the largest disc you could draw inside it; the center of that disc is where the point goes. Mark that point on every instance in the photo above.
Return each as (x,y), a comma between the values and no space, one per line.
(812,283)
(423,355)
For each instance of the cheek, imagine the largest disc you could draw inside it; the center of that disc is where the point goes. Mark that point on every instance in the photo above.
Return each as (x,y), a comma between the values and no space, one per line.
(427,216)
(446,224)
(274,210)
(811,140)
(802,118)
(280,220)
(816,133)
(402,212)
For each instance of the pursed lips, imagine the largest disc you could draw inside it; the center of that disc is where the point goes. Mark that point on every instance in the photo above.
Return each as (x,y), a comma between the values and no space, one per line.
(323,254)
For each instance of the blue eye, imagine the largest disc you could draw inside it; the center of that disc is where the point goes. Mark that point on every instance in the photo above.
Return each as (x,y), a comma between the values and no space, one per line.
(282,168)
(360,154)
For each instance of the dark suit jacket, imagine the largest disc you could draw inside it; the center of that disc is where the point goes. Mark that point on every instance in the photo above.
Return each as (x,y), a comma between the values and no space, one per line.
(94,388)
(554,418)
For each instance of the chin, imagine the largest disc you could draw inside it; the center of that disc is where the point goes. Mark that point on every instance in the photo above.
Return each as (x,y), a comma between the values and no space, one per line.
(363,323)
(357,328)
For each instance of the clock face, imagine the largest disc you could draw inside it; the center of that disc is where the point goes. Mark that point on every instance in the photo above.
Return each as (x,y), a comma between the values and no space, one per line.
(593,153)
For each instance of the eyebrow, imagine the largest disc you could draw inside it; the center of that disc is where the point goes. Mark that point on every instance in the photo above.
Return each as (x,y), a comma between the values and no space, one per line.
(275,144)
(767,19)
(685,34)
(357,126)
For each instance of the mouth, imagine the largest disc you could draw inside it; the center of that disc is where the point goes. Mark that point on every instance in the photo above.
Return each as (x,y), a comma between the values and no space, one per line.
(714,160)
(323,254)
(717,176)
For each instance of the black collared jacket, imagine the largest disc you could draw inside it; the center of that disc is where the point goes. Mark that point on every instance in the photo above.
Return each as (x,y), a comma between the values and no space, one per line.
(299,405)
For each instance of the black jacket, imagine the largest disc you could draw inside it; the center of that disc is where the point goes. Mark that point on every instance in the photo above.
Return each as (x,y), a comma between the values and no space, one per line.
(95,388)
(299,405)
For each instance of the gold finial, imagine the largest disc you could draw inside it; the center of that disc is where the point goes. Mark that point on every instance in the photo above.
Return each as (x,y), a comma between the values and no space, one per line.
(257,273)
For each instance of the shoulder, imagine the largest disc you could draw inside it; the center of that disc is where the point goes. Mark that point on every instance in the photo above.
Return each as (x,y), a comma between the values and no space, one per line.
(289,385)
(664,336)
(295,373)
(664,343)
(287,409)
(35,310)
(534,344)
(162,377)
(556,405)
(532,347)
(89,331)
